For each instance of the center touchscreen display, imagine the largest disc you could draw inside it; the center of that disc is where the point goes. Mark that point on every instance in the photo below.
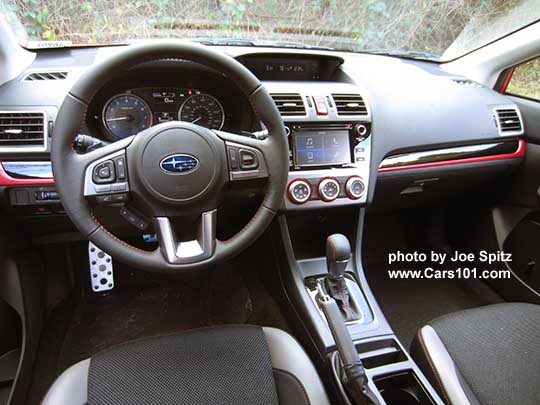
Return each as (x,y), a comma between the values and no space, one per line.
(322,148)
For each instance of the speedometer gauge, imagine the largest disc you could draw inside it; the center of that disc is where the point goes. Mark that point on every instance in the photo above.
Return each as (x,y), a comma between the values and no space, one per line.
(125,115)
(204,110)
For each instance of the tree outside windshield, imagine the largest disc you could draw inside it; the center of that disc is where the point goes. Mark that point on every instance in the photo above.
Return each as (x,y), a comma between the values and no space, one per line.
(439,27)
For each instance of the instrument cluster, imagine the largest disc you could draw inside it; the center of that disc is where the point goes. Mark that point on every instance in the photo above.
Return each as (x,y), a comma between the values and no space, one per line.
(130,112)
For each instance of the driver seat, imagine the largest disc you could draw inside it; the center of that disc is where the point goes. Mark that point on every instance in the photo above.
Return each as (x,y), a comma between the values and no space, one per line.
(218,365)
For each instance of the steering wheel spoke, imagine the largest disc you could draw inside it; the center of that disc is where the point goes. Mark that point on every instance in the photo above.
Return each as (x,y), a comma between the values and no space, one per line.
(175,251)
(106,179)
(246,157)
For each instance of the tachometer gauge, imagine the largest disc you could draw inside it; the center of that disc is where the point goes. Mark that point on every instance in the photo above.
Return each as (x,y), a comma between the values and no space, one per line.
(204,110)
(125,115)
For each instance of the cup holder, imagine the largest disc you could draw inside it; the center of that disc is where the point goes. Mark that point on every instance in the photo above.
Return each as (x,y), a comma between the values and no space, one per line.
(402,389)
(399,396)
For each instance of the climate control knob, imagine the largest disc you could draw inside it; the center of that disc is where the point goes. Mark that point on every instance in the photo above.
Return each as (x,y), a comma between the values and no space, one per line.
(354,187)
(328,189)
(299,191)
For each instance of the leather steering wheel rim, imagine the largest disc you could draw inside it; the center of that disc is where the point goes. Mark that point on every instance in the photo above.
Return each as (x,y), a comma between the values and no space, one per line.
(69,167)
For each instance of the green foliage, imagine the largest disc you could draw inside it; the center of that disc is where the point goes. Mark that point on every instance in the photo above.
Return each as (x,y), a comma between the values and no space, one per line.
(526,80)
(237,8)
(376,11)
(424,25)
(36,19)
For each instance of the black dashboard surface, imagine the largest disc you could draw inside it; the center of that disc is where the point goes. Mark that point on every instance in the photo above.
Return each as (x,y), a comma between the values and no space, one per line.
(415,105)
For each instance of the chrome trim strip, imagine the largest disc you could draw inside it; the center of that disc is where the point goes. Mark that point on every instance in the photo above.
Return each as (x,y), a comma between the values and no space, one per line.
(440,155)
(192,251)
(28,170)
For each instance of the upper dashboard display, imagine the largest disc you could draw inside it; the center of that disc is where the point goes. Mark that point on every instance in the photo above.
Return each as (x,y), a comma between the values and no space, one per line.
(133,111)
(291,67)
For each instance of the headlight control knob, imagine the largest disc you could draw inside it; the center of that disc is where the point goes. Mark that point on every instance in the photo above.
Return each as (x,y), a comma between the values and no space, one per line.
(354,187)
(328,189)
(299,191)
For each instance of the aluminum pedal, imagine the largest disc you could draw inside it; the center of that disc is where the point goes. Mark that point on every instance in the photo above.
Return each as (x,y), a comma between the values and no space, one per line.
(101,269)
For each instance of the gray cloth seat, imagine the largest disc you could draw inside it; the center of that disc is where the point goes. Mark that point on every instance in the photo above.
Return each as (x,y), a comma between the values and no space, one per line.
(487,355)
(220,365)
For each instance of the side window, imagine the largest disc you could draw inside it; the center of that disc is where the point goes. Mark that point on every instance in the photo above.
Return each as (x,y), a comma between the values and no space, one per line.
(525,80)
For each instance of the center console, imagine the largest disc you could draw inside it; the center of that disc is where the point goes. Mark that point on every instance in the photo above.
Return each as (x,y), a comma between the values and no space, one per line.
(329,164)
(390,374)
(329,128)
(329,132)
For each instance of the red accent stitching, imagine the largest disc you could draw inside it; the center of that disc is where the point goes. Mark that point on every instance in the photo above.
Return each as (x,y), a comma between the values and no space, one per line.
(257,213)
(114,236)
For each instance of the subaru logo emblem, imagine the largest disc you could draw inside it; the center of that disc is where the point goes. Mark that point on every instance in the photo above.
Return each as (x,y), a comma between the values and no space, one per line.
(179,164)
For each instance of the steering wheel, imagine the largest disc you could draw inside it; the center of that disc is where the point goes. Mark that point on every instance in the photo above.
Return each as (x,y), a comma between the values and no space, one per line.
(170,170)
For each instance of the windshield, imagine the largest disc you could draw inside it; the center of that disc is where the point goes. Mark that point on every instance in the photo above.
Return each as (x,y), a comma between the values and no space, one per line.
(438,29)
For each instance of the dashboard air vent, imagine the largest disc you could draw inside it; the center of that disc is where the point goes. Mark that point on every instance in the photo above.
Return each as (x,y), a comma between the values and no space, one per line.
(289,104)
(467,83)
(350,104)
(47,75)
(508,121)
(22,130)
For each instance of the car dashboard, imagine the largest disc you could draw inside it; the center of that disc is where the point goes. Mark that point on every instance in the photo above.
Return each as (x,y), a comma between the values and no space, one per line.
(363,130)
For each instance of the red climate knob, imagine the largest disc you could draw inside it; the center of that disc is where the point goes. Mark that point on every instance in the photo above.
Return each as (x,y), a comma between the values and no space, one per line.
(299,191)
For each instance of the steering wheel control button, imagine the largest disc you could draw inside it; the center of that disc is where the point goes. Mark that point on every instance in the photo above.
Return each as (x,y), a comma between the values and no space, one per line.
(328,189)
(299,191)
(104,199)
(103,188)
(119,198)
(101,269)
(245,162)
(104,173)
(116,187)
(134,219)
(354,187)
(120,164)
(233,158)
(248,160)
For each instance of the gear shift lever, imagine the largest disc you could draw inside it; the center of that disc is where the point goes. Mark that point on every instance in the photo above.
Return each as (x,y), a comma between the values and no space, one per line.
(338,253)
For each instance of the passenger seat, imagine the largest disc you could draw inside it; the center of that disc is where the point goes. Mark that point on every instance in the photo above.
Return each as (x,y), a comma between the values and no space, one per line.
(487,355)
